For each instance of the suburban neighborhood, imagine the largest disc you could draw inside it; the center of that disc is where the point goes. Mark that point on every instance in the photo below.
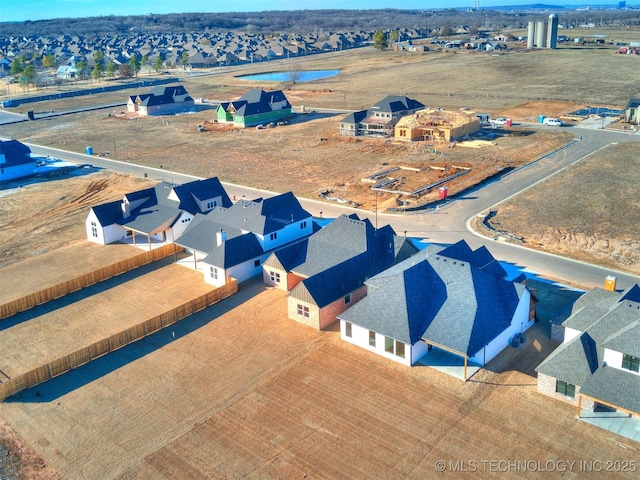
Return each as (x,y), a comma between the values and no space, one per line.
(286,281)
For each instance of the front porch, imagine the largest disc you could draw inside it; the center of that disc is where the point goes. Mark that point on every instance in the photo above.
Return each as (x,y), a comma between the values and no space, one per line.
(449,363)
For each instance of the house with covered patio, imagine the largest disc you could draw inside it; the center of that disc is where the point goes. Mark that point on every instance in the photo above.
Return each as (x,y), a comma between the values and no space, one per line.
(156,215)
(449,299)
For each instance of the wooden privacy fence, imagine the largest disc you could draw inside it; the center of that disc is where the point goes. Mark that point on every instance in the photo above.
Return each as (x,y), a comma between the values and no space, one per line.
(62,365)
(68,286)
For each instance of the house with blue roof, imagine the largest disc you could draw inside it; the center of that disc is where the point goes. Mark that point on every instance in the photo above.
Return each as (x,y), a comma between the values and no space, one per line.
(162,100)
(597,366)
(254,108)
(234,241)
(160,214)
(15,160)
(453,299)
(381,118)
(325,273)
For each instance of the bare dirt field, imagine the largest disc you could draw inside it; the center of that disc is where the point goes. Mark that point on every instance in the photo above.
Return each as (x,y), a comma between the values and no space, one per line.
(567,224)
(243,392)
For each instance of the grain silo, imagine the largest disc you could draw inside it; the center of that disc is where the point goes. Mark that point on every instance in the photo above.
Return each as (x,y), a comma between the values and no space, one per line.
(541,33)
(531,34)
(552,32)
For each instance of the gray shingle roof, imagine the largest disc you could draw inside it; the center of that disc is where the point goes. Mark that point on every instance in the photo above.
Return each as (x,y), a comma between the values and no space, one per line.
(615,387)
(439,299)
(580,361)
(15,153)
(341,256)
(397,103)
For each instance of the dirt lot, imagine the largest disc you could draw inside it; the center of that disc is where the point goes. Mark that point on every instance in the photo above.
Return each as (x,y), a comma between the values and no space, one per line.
(581,223)
(243,392)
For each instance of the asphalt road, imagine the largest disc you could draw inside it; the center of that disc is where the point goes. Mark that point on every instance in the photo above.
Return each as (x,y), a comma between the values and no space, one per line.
(447,224)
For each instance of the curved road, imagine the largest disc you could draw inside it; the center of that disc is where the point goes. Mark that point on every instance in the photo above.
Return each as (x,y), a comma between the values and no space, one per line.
(447,224)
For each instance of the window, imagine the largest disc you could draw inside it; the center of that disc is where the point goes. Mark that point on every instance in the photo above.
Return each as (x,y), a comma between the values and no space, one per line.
(372,338)
(211,204)
(273,236)
(347,329)
(303,311)
(214,272)
(392,346)
(303,225)
(94,229)
(347,299)
(275,277)
(565,388)
(388,344)
(256,263)
(629,362)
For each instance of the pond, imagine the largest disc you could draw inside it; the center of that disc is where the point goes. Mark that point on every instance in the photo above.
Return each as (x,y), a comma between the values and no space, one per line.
(300,76)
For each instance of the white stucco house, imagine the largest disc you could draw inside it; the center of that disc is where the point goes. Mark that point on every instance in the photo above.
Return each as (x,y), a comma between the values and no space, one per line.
(235,241)
(452,298)
(159,214)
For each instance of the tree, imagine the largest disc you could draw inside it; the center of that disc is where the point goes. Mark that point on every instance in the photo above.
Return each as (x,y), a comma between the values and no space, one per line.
(394,36)
(97,71)
(28,76)
(134,63)
(125,70)
(446,30)
(98,57)
(184,58)
(380,40)
(112,68)
(81,68)
(17,66)
(158,64)
(49,60)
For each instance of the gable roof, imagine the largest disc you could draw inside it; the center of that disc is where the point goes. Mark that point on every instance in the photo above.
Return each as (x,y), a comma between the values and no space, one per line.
(633,103)
(606,320)
(438,298)
(162,95)
(257,101)
(200,190)
(262,216)
(13,152)
(340,257)
(397,103)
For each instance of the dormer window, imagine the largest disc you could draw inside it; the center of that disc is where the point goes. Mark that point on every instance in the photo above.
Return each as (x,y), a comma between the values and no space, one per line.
(629,362)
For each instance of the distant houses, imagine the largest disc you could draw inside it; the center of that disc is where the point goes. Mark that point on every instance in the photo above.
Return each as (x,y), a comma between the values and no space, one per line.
(15,160)
(160,101)
(254,108)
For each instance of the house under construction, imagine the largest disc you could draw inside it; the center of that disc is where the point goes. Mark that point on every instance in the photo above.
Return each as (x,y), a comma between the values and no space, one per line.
(436,125)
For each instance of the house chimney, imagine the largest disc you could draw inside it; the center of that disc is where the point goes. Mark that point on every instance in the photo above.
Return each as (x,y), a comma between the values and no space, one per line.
(221,237)
(126,209)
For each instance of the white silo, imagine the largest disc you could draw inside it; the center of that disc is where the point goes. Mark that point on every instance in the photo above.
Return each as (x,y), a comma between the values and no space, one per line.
(552,32)
(541,33)
(531,34)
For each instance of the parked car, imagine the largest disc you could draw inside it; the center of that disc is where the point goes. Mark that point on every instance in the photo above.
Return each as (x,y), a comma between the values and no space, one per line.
(552,122)
(500,121)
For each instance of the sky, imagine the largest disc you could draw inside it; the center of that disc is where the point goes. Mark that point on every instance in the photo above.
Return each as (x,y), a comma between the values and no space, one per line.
(21,10)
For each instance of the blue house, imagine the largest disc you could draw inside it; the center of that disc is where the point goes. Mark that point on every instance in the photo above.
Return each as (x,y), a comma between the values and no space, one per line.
(15,160)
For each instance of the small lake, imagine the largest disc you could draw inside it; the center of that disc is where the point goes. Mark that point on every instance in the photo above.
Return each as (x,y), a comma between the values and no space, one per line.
(300,76)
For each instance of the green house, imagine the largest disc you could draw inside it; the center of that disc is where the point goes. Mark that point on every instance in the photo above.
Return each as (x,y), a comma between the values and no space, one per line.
(254,108)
